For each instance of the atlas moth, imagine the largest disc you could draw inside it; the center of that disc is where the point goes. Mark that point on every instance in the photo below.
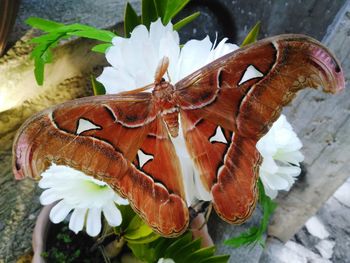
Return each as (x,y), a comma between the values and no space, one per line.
(125,139)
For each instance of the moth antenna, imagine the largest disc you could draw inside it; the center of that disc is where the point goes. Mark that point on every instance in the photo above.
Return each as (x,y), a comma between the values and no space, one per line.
(138,90)
(161,69)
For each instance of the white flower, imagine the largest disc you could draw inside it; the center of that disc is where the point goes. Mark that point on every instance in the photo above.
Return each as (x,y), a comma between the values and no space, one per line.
(83,194)
(280,149)
(134,60)
(165,260)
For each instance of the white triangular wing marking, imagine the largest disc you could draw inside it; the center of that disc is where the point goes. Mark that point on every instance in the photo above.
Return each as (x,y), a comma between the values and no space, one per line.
(250,73)
(86,125)
(218,136)
(143,158)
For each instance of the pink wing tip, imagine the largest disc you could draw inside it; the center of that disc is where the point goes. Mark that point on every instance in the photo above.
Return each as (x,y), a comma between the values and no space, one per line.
(333,78)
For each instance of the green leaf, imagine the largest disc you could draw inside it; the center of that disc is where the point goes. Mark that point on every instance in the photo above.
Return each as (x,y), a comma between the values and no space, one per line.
(142,231)
(161,245)
(134,224)
(252,35)
(185,21)
(187,249)
(43,24)
(199,254)
(39,70)
(149,12)
(255,234)
(137,229)
(144,240)
(56,32)
(131,19)
(127,214)
(172,8)
(97,87)
(143,252)
(102,35)
(161,7)
(246,238)
(101,48)
(181,249)
(216,259)
(179,243)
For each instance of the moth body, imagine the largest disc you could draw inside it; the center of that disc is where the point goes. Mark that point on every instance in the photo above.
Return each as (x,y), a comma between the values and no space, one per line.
(164,98)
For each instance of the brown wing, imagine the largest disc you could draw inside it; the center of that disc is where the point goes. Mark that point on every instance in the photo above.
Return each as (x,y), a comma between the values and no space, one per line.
(223,96)
(110,137)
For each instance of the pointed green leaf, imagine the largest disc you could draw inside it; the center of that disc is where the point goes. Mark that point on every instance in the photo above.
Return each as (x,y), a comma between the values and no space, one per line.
(39,71)
(185,250)
(142,231)
(97,87)
(131,19)
(185,21)
(161,7)
(149,12)
(252,35)
(143,252)
(101,48)
(134,224)
(43,24)
(199,255)
(173,7)
(246,238)
(216,259)
(102,35)
(161,245)
(47,39)
(255,234)
(127,214)
(144,240)
(183,240)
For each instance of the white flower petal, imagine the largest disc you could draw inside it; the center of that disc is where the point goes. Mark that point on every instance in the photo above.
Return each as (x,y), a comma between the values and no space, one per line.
(120,201)
(272,193)
(112,214)
(269,165)
(274,181)
(169,48)
(77,220)
(280,144)
(193,56)
(158,30)
(114,54)
(165,260)
(93,222)
(295,157)
(49,196)
(140,33)
(115,81)
(222,49)
(291,171)
(60,211)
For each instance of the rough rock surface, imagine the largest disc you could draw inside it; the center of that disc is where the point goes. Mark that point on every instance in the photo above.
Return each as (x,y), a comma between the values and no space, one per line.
(324,238)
